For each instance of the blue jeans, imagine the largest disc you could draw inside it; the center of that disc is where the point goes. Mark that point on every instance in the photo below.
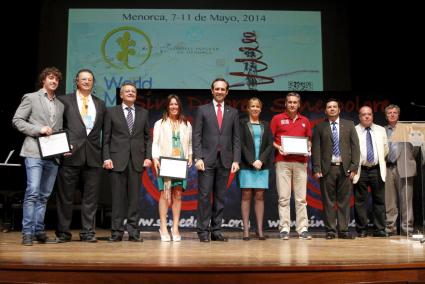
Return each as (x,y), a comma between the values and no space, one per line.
(41,176)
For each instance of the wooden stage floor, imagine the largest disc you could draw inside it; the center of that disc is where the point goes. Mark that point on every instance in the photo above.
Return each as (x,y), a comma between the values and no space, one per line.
(394,260)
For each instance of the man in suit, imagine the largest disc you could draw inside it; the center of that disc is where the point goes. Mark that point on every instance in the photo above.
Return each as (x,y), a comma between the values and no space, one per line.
(216,147)
(83,118)
(126,150)
(39,114)
(401,169)
(335,158)
(371,172)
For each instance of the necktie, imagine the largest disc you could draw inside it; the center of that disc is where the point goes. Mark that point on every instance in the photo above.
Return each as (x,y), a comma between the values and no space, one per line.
(85,106)
(130,120)
(369,146)
(335,141)
(392,153)
(219,116)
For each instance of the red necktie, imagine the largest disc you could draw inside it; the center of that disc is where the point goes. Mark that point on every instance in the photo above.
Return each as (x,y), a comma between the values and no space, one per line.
(219,116)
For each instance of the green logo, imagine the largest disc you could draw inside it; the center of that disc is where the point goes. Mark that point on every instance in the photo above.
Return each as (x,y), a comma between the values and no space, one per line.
(126,48)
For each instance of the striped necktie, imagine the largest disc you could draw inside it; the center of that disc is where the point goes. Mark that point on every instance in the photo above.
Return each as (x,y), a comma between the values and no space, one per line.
(369,146)
(335,140)
(130,120)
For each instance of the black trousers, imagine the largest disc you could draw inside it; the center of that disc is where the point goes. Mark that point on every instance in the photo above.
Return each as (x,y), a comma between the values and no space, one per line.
(369,177)
(125,188)
(69,179)
(336,188)
(211,181)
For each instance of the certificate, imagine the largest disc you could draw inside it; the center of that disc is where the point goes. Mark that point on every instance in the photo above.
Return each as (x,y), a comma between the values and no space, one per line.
(173,167)
(54,144)
(295,145)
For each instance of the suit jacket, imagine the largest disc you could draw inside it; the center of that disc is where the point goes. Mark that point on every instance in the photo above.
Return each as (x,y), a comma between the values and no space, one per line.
(32,115)
(406,163)
(248,147)
(162,139)
(208,139)
(380,137)
(119,145)
(322,146)
(86,148)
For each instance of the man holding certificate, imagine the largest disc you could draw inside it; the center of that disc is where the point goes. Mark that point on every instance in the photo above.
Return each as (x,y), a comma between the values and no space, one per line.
(126,150)
(83,118)
(217,151)
(292,134)
(39,114)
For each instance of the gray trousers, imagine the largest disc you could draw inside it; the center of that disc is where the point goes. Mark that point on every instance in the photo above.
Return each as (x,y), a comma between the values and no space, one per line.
(398,199)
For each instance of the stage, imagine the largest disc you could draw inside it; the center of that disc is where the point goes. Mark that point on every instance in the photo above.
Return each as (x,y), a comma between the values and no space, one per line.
(392,260)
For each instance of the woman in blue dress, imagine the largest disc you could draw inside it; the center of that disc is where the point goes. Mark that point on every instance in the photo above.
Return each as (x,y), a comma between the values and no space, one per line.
(256,160)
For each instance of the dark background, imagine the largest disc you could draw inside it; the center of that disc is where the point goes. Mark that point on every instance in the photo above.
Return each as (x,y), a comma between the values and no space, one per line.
(372,49)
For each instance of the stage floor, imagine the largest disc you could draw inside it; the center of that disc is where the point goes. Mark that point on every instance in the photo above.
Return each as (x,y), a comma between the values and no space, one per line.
(270,257)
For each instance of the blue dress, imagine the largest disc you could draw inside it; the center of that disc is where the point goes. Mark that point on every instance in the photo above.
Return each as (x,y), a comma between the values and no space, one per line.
(253,178)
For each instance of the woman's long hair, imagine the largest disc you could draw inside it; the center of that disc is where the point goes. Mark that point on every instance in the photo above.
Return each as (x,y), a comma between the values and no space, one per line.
(180,116)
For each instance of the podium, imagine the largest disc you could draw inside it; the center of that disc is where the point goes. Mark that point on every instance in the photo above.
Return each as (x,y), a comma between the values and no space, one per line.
(411,162)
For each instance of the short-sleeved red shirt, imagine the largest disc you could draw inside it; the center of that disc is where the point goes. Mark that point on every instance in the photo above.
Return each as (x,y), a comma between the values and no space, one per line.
(282,124)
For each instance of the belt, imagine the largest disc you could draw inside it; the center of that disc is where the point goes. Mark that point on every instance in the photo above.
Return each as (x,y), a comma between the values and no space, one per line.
(370,167)
(389,164)
(336,164)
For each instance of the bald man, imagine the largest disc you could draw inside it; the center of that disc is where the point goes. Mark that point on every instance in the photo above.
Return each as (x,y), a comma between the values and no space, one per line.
(371,172)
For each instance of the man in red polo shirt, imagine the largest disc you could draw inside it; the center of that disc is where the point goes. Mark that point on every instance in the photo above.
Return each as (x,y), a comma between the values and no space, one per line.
(291,169)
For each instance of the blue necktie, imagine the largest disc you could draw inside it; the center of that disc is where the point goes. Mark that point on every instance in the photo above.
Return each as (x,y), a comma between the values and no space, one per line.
(335,140)
(369,146)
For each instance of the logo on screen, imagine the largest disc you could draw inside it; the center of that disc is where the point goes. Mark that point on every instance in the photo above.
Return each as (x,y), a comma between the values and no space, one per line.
(126,48)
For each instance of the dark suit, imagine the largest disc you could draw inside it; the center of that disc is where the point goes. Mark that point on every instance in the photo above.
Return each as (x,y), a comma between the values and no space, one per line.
(85,163)
(218,148)
(248,147)
(127,152)
(335,184)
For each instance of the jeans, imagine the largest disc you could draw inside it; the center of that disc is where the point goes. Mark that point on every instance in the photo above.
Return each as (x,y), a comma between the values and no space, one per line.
(41,176)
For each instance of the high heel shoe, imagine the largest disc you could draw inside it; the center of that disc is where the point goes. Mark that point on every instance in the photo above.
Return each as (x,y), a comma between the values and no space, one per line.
(176,238)
(164,238)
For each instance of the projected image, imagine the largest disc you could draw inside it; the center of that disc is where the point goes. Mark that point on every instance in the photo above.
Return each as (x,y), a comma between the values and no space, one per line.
(186,49)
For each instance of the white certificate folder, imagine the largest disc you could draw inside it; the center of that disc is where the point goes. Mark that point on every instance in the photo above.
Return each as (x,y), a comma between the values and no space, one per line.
(173,167)
(53,145)
(295,145)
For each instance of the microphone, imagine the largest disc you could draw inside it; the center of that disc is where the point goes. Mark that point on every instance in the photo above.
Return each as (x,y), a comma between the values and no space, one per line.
(417,105)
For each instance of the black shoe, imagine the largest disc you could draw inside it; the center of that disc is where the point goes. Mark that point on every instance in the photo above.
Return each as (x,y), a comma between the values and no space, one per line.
(41,237)
(89,239)
(262,238)
(115,239)
(362,234)
(27,240)
(219,238)
(204,239)
(63,238)
(246,238)
(346,235)
(330,235)
(380,234)
(135,239)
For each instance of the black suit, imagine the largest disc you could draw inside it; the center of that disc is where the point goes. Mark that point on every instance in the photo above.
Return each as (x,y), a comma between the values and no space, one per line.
(335,184)
(218,148)
(127,152)
(248,147)
(85,163)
